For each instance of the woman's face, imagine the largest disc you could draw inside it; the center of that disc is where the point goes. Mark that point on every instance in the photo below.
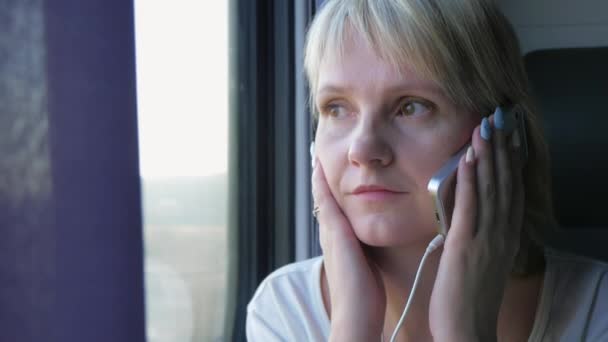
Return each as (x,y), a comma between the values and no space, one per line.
(388,129)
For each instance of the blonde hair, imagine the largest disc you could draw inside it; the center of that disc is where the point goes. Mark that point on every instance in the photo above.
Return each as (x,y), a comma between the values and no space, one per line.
(470,50)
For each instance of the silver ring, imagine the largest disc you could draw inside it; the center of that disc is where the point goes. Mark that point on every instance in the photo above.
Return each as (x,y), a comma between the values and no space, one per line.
(315,211)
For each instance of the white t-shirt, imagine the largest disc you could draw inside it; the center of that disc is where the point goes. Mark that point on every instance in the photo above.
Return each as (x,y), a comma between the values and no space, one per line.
(288,305)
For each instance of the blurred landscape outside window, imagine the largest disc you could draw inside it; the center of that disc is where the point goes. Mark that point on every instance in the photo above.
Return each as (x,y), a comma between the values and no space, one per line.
(182,93)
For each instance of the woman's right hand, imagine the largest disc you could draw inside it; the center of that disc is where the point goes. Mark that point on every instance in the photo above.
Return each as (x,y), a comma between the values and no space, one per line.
(356,291)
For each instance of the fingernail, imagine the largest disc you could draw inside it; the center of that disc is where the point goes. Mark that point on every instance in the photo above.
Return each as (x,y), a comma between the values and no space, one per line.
(499,118)
(486,130)
(313,160)
(515,139)
(470,155)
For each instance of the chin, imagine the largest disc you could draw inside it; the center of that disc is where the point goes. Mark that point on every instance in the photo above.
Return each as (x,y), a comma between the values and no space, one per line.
(384,230)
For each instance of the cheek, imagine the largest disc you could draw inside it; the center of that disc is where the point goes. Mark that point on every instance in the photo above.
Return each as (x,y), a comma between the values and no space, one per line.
(420,162)
(427,155)
(331,155)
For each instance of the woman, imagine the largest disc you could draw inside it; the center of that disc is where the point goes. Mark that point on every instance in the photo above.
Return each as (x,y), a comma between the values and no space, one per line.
(399,86)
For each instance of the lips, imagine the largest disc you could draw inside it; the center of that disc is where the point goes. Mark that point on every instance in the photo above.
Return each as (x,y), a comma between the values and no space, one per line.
(376,194)
(362,189)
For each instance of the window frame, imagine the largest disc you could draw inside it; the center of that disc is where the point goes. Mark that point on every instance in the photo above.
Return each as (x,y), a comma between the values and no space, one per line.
(262,130)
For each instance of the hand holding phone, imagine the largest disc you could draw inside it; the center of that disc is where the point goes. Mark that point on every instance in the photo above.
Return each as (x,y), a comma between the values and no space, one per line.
(442,185)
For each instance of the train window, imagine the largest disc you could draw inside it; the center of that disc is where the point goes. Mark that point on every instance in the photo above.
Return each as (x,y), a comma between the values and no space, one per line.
(182,92)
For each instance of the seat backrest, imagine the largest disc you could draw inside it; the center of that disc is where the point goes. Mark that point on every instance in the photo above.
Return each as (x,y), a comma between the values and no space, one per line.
(571,89)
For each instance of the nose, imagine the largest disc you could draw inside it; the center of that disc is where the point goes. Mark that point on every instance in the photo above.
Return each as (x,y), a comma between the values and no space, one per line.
(370,148)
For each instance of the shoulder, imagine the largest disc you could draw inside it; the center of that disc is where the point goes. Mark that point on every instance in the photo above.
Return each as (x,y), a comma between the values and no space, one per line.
(580,295)
(576,272)
(563,257)
(288,305)
(296,278)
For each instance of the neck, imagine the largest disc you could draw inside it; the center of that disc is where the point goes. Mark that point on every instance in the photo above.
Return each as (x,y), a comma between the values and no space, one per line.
(398,267)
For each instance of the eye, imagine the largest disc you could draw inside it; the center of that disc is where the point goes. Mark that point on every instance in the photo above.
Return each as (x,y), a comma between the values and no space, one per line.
(413,107)
(334,110)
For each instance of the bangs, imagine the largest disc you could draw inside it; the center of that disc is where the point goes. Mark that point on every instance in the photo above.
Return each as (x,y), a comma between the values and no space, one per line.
(401,35)
(464,47)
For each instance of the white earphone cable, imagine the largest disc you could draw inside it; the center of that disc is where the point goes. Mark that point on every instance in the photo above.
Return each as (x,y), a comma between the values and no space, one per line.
(435,243)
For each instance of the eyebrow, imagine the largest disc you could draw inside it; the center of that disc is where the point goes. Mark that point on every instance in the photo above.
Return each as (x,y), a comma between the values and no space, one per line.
(427,87)
(334,89)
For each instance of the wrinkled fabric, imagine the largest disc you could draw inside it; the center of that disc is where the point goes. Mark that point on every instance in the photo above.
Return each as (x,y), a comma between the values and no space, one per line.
(288,304)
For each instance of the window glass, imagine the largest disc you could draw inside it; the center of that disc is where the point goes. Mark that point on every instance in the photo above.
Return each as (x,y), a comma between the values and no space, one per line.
(182,93)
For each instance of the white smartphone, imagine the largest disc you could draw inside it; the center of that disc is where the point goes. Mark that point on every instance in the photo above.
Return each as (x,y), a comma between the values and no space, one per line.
(442,185)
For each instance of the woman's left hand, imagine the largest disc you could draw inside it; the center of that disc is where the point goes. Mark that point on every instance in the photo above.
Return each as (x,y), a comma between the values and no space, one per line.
(482,242)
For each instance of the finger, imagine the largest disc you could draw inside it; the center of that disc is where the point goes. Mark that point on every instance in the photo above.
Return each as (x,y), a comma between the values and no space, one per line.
(321,193)
(330,216)
(486,187)
(343,258)
(502,169)
(462,228)
(517,155)
(518,198)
